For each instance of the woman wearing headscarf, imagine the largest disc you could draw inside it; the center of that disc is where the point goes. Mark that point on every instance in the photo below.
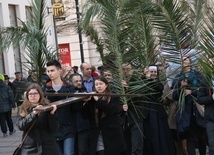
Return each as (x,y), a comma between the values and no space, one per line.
(158,140)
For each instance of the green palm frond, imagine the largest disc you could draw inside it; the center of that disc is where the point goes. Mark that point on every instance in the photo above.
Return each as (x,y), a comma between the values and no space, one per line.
(206,45)
(32,37)
(137,27)
(96,39)
(107,13)
(197,12)
(134,31)
(178,32)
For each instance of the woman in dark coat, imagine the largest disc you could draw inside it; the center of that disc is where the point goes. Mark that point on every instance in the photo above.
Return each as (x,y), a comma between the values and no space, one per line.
(106,136)
(41,138)
(158,140)
(190,124)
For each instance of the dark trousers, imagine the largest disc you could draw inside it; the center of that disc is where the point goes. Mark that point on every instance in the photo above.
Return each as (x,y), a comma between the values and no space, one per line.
(196,137)
(210,133)
(134,139)
(6,120)
(83,142)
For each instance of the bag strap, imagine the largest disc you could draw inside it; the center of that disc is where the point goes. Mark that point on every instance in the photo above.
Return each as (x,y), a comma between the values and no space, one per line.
(23,140)
(209,91)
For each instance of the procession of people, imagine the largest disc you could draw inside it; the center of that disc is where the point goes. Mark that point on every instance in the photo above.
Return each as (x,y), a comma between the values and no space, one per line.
(105,124)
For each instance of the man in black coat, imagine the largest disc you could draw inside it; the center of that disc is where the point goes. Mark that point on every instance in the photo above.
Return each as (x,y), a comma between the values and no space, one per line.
(134,113)
(20,85)
(6,103)
(7,81)
(77,83)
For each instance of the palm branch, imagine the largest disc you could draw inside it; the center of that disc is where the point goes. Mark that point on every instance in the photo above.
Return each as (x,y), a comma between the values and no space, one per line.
(107,13)
(206,45)
(95,38)
(132,31)
(177,36)
(32,37)
(141,46)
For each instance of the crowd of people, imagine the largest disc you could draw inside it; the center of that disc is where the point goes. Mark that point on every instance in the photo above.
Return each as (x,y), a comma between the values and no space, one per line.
(172,117)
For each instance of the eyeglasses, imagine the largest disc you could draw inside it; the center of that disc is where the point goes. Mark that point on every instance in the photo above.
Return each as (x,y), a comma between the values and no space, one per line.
(33,94)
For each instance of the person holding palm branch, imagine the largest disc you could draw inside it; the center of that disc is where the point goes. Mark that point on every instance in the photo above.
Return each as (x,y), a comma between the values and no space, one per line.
(105,133)
(190,124)
(133,113)
(158,139)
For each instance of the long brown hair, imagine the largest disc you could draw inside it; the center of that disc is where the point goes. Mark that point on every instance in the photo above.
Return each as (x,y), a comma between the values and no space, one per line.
(103,79)
(27,105)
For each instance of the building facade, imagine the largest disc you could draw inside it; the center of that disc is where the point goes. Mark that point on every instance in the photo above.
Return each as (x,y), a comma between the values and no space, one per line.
(69,39)
(62,31)
(11,11)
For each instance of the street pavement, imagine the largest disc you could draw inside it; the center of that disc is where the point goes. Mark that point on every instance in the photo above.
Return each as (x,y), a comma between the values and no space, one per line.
(10,143)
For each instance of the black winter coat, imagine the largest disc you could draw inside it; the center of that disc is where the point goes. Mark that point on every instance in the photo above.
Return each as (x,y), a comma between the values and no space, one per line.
(205,98)
(138,109)
(20,87)
(7,100)
(41,138)
(183,117)
(108,126)
(158,140)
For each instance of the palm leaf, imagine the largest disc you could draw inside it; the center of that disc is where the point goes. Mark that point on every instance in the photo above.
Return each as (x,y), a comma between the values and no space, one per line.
(206,45)
(32,37)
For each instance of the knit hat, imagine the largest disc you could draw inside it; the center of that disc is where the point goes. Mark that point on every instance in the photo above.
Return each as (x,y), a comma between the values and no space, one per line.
(2,77)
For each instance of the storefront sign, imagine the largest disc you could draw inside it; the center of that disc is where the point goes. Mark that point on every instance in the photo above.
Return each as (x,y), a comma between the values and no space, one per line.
(64,55)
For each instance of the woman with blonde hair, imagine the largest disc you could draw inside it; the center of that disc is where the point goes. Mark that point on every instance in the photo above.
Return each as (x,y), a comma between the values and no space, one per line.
(41,138)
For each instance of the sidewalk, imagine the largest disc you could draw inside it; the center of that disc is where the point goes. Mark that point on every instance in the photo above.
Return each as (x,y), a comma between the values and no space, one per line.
(10,143)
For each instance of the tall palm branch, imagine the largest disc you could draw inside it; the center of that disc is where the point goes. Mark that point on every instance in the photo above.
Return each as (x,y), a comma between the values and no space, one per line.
(93,34)
(177,35)
(138,30)
(174,30)
(120,33)
(207,44)
(32,37)
(140,25)
(107,14)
